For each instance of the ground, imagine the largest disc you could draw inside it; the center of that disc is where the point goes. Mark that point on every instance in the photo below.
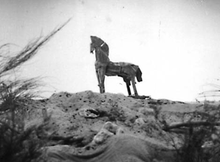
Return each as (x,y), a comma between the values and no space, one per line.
(108,127)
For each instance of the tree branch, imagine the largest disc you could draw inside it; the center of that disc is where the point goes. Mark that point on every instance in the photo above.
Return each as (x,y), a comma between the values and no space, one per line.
(190,124)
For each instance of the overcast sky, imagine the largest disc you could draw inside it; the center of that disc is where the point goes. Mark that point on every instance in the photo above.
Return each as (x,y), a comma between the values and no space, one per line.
(176,43)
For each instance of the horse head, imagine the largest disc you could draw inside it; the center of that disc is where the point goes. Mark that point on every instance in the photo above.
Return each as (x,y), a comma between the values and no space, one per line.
(98,43)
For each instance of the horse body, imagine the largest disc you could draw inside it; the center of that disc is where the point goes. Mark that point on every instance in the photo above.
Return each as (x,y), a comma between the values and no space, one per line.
(104,66)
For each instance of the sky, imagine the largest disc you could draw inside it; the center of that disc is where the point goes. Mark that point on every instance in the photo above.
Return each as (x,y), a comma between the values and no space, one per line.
(176,43)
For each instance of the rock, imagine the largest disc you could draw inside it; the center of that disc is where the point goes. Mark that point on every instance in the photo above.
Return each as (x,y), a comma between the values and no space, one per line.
(88,112)
(140,121)
(109,129)
(147,111)
(119,148)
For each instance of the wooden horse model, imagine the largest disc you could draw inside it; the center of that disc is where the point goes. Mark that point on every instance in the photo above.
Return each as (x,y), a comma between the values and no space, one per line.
(104,66)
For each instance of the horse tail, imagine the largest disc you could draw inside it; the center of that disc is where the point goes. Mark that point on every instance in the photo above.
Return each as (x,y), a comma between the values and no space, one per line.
(139,75)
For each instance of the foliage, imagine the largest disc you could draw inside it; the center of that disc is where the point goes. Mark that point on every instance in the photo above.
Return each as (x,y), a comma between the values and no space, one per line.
(200,140)
(18,144)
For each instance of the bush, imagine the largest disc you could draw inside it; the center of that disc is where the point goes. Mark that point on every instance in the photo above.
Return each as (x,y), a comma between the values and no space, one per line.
(18,144)
(200,140)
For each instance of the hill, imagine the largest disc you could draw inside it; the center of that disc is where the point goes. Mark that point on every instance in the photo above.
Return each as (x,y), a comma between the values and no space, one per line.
(85,126)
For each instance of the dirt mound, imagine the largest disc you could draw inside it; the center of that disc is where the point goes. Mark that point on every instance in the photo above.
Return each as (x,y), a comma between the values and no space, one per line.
(82,116)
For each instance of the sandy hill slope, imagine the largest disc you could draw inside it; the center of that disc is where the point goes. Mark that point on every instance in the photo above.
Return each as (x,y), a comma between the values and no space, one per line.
(88,124)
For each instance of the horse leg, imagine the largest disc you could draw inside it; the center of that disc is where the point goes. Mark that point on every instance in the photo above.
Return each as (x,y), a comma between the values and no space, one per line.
(133,85)
(128,88)
(102,80)
(98,78)
(100,73)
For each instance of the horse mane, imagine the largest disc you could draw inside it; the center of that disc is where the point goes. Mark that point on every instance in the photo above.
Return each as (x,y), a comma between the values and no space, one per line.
(97,41)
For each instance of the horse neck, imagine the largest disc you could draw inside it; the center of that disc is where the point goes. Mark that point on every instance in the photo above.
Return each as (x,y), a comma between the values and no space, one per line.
(101,56)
